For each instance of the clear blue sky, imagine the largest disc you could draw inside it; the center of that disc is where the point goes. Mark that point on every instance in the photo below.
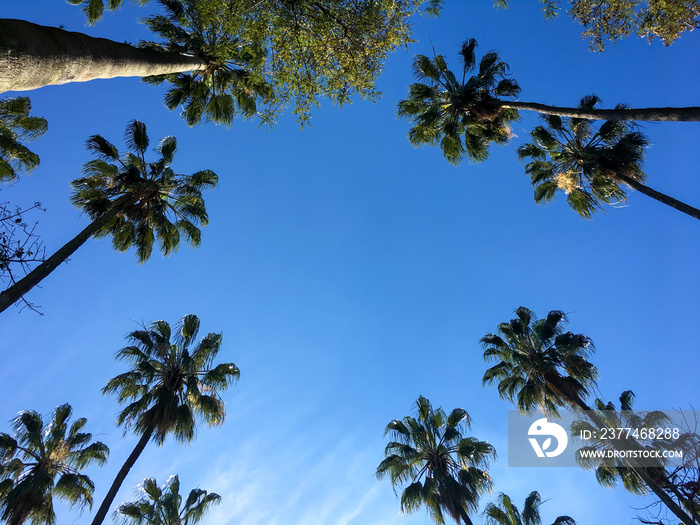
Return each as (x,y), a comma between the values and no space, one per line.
(351,273)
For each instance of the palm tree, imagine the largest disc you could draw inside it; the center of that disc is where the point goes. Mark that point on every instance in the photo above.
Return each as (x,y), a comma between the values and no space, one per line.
(610,471)
(41,462)
(171,383)
(539,366)
(504,512)
(435,464)
(590,165)
(138,203)
(225,58)
(442,109)
(164,506)
(16,124)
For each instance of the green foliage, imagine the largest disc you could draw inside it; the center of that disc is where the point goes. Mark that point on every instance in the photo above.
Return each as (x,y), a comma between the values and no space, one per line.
(538,365)
(464,116)
(263,55)
(436,465)
(504,512)
(613,20)
(164,505)
(40,462)
(15,125)
(155,203)
(587,164)
(172,380)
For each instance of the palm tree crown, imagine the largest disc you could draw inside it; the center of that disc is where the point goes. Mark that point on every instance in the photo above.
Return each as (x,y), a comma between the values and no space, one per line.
(504,512)
(263,55)
(462,117)
(42,461)
(154,202)
(538,365)
(588,164)
(438,467)
(172,380)
(15,125)
(164,505)
(610,471)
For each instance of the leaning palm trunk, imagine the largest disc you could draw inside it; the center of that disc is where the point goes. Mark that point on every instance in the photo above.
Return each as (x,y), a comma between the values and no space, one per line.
(15,292)
(686,114)
(32,56)
(121,476)
(642,472)
(661,197)
(465,517)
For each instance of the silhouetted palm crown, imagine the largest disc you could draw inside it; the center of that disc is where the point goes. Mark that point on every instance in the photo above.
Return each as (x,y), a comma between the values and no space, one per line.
(438,467)
(504,512)
(463,118)
(587,162)
(164,505)
(16,125)
(155,203)
(41,462)
(538,365)
(172,380)
(611,470)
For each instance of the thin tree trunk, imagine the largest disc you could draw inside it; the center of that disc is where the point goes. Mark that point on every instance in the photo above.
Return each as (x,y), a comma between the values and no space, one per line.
(642,472)
(32,56)
(121,476)
(661,197)
(15,292)
(687,114)
(465,517)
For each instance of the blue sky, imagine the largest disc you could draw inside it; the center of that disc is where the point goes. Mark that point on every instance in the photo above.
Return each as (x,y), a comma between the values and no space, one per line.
(351,273)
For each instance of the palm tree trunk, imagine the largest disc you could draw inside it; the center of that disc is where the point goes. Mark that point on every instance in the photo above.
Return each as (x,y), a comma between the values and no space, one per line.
(32,56)
(661,197)
(15,292)
(465,517)
(642,472)
(687,114)
(121,476)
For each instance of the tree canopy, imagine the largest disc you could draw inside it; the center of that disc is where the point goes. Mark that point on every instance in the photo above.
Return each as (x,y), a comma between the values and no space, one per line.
(606,22)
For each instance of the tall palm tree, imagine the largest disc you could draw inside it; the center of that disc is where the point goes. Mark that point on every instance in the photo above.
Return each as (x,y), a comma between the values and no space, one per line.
(172,382)
(41,462)
(44,56)
(442,109)
(590,165)
(225,58)
(138,203)
(164,505)
(539,366)
(504,512)
(17,124)
(437,466)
